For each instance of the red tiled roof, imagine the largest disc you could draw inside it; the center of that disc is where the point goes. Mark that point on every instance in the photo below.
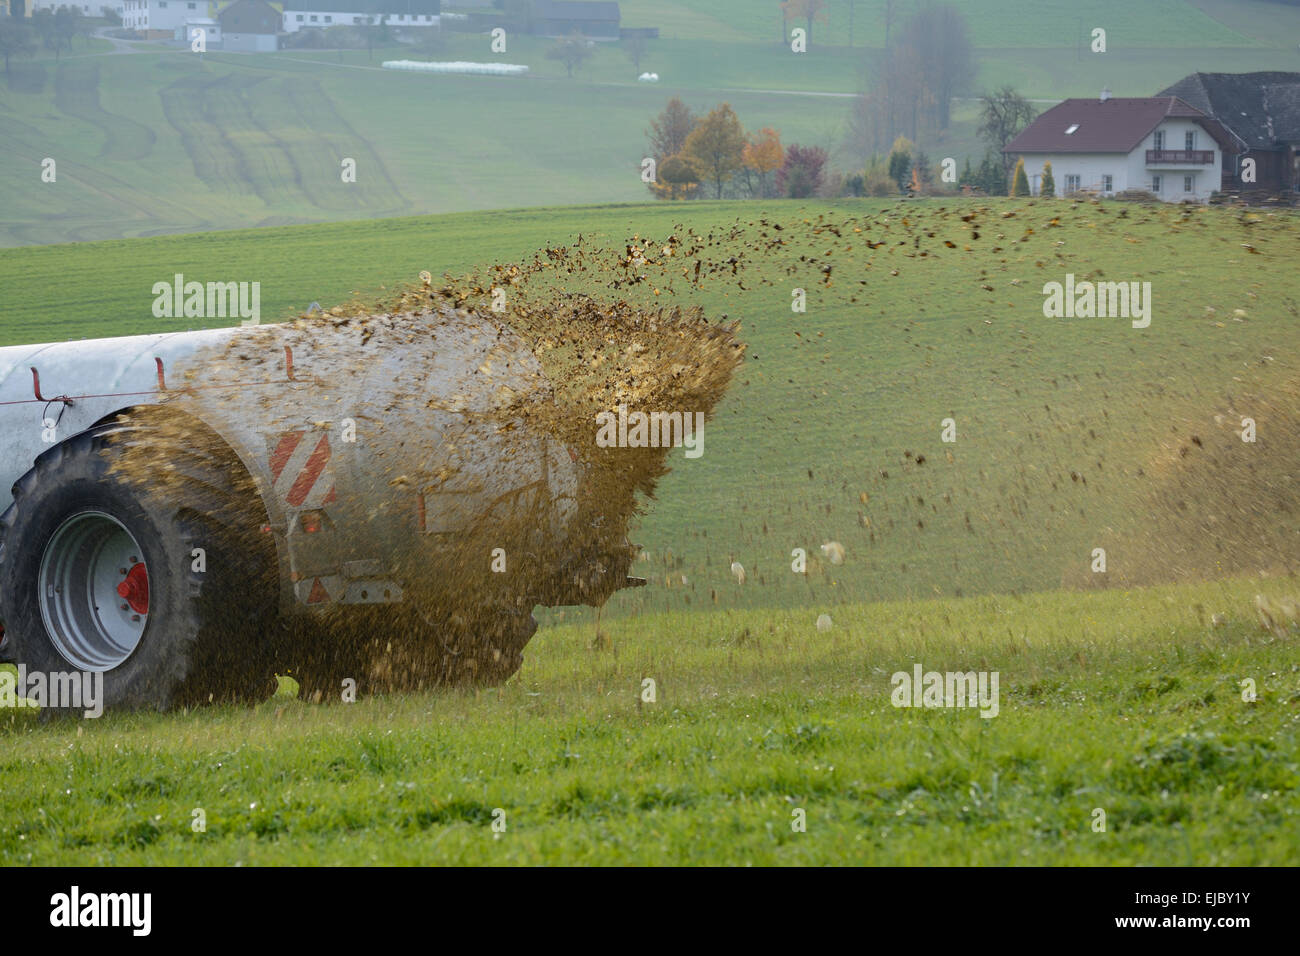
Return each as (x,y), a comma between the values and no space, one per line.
(1116,125)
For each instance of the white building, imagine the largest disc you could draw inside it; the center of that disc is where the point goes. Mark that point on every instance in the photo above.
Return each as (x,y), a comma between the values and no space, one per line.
(160,15)
(1111,144)
(320,14)
(210,27)
(87,8)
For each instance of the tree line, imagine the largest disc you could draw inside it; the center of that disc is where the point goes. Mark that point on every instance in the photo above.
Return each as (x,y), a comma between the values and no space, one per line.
(54,29)
(712,156)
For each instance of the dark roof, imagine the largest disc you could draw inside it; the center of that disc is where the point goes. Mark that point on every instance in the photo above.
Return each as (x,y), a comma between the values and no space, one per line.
(575,10)
(405,7)
(1261,109)
(1115,125)
(254,13)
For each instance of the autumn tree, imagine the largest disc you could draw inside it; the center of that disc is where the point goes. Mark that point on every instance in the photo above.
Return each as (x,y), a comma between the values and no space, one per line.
(762,157)
(1003,116)
(717,146)
(572,51)
(676,178)
(807,9)
(802,173)
(668,130)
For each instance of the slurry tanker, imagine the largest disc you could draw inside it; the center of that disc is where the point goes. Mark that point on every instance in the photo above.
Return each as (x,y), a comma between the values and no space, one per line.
(373,500)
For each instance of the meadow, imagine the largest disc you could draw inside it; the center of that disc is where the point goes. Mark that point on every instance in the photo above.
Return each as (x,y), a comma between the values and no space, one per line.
(1123,707)
(164,141)
(832,430)
(1120,703)
(1145,696)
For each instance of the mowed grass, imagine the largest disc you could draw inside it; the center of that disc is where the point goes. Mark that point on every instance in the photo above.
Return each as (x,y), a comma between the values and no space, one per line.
(1121,703)
(832,429)
(166,142)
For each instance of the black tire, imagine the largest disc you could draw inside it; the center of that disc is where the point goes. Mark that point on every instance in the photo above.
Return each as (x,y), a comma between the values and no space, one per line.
(202,633)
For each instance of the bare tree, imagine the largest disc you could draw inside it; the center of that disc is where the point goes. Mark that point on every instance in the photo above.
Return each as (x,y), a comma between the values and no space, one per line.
(572,51)
(1003,114)
(937,33)
(634,49)
(16,39)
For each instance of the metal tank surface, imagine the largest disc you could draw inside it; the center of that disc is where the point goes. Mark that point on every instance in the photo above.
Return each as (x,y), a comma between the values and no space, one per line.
(376,478)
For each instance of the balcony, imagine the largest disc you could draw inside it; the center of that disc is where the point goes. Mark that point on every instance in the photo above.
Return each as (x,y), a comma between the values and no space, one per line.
(1180,157)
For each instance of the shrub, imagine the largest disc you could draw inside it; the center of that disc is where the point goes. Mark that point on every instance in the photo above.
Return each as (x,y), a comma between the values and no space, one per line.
(1019,181)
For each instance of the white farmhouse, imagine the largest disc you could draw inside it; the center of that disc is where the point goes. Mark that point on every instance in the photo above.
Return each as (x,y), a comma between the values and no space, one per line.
(305,14)
(1111,144)
(159,17)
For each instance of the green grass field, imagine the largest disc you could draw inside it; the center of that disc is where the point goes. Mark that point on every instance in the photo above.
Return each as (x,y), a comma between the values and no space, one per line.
(976,555)
(1061,423)
(165,142)
(1122,703)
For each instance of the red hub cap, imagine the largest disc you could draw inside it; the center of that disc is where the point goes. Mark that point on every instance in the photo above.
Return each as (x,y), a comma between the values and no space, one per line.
(135,589)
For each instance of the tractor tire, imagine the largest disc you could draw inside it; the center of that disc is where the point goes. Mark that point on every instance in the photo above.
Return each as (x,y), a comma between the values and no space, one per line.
(99,572)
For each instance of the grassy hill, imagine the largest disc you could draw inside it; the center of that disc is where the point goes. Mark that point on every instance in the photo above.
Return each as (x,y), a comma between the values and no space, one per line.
(164,142)
(933,310)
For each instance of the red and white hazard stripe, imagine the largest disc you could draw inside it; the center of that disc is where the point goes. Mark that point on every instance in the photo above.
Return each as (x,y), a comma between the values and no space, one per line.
(300,469)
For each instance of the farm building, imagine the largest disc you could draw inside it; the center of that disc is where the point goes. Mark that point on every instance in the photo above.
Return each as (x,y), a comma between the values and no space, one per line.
(250,26)
(306,14)
(1262,112)
(1111,144)
(211,31)
(159,19)
(87,8)
(561,18)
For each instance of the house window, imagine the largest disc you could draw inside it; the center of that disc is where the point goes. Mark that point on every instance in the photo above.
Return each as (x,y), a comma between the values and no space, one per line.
(354,19)
(1155,184)
(1073,127)
(300,18)
(1107,183)
(1160,139)
(1071,184)
(1187,184)
(1189,140)
(190,6)
(313,18)
(329,19)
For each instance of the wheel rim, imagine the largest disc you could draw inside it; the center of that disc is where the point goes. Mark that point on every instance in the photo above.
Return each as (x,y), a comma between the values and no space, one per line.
(94,591)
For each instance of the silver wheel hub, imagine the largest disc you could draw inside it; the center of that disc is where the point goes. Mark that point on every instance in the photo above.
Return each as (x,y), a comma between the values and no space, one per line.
(94,599)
